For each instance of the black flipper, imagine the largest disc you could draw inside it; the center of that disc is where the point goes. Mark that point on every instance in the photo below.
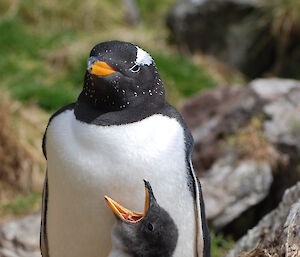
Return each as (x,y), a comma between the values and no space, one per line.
(43,232)
(206,235)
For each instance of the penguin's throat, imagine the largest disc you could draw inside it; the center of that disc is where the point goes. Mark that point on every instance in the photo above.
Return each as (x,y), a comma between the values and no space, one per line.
(132,217)
(123,213)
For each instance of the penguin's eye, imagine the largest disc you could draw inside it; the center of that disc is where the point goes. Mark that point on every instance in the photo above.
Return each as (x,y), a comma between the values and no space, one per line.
(135,68)
(150,227)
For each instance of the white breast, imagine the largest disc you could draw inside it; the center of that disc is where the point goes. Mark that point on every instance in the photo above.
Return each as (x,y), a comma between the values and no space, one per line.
(86,162)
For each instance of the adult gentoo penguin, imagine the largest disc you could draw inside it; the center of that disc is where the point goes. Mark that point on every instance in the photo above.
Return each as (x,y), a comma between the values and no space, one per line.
(151,233)
(119,131)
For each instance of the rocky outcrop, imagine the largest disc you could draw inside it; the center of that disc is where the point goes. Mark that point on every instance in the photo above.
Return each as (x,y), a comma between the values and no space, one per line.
(246,146)
(283,125)
(20,238)
(278,233)
(214,114)
(230,189)
(238,32)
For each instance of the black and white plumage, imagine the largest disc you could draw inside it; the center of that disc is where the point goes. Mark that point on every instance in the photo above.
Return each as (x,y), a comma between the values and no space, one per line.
(152,233)
(119,131)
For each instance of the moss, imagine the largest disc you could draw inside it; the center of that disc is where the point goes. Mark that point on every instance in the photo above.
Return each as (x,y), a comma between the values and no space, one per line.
(220,244)
(153,12)
(28,67)
(182,74)
(250,142)
(22,204)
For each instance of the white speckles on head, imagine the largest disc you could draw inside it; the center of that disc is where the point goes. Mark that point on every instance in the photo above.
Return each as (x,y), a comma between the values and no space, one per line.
(142,57)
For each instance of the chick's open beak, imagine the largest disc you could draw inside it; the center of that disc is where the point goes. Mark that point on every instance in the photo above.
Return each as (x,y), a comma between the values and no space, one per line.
(99,68)
(125,214)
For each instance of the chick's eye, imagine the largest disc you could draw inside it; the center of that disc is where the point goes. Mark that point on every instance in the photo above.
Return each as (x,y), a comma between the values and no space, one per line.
(150,227)
(135,68)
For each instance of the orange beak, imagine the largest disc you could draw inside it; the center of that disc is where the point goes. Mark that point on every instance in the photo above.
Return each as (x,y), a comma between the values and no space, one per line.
(125,214)
(100,68)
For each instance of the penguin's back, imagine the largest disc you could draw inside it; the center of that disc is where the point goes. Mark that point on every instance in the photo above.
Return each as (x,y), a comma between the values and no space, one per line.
(86,162)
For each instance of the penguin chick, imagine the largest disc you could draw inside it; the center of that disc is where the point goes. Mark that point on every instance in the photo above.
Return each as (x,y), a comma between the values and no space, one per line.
(152,233)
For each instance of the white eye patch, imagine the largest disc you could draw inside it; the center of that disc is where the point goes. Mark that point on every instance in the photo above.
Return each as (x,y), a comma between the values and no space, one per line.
(142,57)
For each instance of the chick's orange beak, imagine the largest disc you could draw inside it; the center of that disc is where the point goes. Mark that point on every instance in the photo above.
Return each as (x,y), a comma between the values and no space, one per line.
(125,214)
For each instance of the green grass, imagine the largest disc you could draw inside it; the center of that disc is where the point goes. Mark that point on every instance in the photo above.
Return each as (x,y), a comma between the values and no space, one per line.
(32,30)
(180,73)
(27,72)
(24,69)
(59,15)
(220,244)
(154,11)
(22,204)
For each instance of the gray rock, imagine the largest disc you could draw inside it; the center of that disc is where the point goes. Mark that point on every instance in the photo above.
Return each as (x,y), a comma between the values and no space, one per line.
(273,88)
(232,187)
(284,126)
(282,109)
(217,118)
(278,232)
(215,114)
(20,238)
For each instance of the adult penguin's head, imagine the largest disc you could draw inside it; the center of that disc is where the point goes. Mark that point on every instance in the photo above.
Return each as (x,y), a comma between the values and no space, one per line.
(120,76)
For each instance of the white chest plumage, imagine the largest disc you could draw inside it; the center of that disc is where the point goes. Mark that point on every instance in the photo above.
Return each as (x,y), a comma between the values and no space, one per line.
(86,162)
